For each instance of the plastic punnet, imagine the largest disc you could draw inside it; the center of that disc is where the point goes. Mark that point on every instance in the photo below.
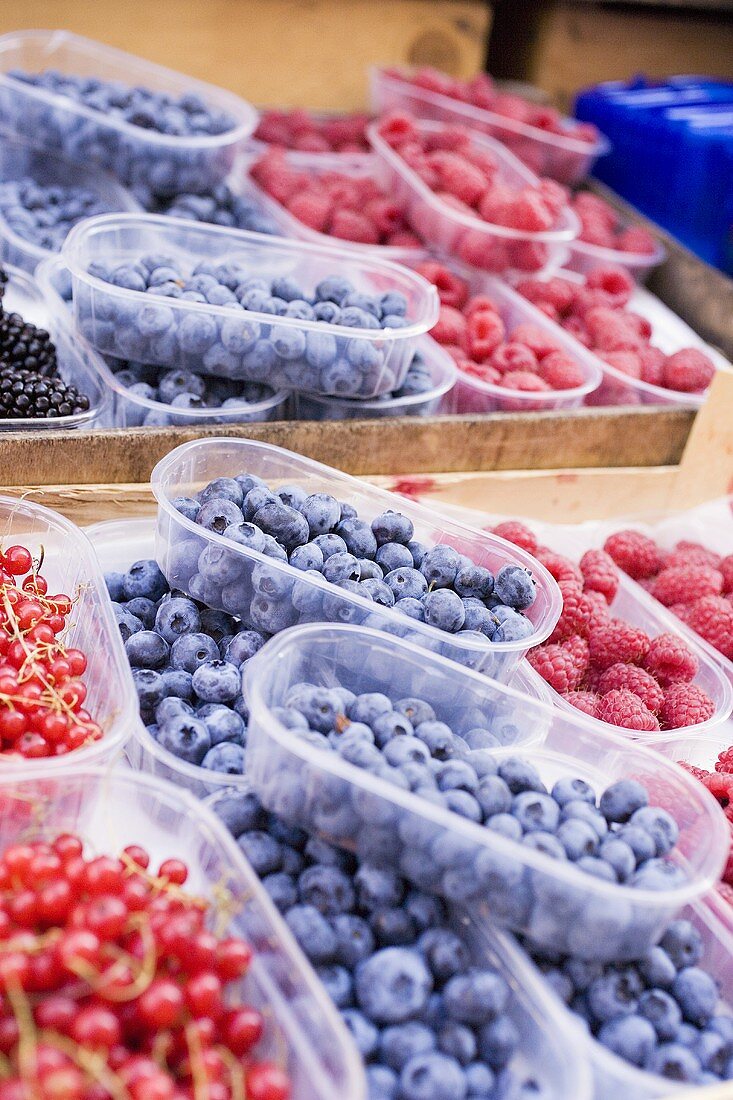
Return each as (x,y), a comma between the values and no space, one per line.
(110,810)
(225,339)
(558,905)
(76,361)
(467,237)
(70,566)
(166,164)
(20,159)
(561,156)
(300,597)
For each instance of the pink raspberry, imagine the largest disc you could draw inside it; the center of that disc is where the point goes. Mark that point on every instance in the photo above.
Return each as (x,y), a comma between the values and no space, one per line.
(311,209)
(600,573)
(403,238)
(615,281)
(631,678)
(599,612)
(528,255)
(585,701)
(726,570)
(651,360)
(724,763)
(480,303)
(398,128)
(611,330)
(451,327)
(617,641)
(636,554)
(560,371)
(627,362)
(688,370)
(686,583)
(712,618)
(687,552)
(484,371)
(625,709)
(459,177)
(559,667)
(524,381)
(311,143)
(636,239)
(560,567)
(513,356)
(575,617)
(556,292)
(669,660)
(596,232)
(529,212)
(348,225)
(485,332)
(452,290)
(685,705)
(515,532)
(385,213)
(537,339)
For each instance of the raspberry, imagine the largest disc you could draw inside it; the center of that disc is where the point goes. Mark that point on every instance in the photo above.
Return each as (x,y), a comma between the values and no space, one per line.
(385,213)
(627,362)
(528,255)
(513,356)
(630,678)
(560,567)
(529,212)
(557,666)
(652,365)
(311,209)
(482,371)
(684,584)
(599,574)
(560,372)
(485,333)
(685,705)
(461,178)
(452,290)
(726,569)
(636,554)
(556,292)
(617,641)
(636,239)
(574,618)
(594,231)
(587,701)
(524,381)
(623,708)
(450,328)
(712,618)
(598,608)
(349,225)
(515,532)
(669,660)
(578,646)
(611,330)
(688,370)
(724,763)
(540,341)
(693,553)
(615,281)
(555,196)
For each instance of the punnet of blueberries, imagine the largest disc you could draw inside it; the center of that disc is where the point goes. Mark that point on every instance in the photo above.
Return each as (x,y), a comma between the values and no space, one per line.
(433,1016)
(661,1013)
(43,215)
(408,585)
(260,328)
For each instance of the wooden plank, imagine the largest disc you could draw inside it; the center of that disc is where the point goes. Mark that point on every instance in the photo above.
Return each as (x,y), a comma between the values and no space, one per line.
(580,438)
(313,53)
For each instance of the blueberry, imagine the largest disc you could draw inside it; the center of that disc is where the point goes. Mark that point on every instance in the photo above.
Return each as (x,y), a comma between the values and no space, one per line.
(444,610)
(582,811)
(322,512)
(417,710)
(630,1037)
(330,544)
(143,609)
(354,939)
(519,775)
(620,856)
(341,567)
(378,591)
(281,889)
(662,1012)
(440,565)
(474,580)
(475,997)
(190,651)
(445,952)
(498,1042)
(363,1031)
(515,587)
(127,624)
(657,968)
(615,993)
(256,498)
(186,737)
(639,840)
(242,646)
(573,789)
(169,707)
(675,1062)
(222,723)
(682,943)
(225,757)
(261,850)
(479,1080)
(619,801)
(335,288)
(216,681)
(178,683)
(440,742)
(114,583)
(366,708)
(187,507)
(284,524)
(401,1042)
(407,583)
(247,535)
(393,555)
(377,888)
(358,536)
(578,838)
(494,797)
(392,527)
(411,607)
(696,994)
(660,826)
(150,687)
(432,1076)
(418,551)
(144,578)
(393,985)
(337,983)
(146,649)
(326,888)
(307,556)
(218,514)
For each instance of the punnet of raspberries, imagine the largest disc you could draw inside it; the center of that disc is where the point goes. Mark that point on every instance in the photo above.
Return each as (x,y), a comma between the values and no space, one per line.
(600,225)
(604,666)
(693,582)
(42,694)
(720,784)
(350,207)
(487,346)
(595,313)
(113,986)
(312,133)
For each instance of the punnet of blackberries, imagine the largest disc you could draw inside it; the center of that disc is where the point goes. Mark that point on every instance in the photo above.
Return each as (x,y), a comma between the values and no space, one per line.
(30,385)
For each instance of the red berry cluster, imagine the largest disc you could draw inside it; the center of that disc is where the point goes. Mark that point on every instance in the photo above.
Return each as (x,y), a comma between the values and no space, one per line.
(692,581)
(600,225)
(720,784)
(594,312)
(41,690)
(473,332)
(604,666)
(481,92)
(113,987)
(352,208)
(300,129)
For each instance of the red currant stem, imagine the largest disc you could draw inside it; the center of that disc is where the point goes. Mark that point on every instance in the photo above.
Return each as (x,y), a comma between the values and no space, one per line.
(90,1062)
(27,1037)
(162,884)
(6,1070)
(198,1069)
(42,939)
(236,1073)
(100,983)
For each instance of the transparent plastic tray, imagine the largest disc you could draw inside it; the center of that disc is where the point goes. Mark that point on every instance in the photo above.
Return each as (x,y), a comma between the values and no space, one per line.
(542,1054)
(613,1077)
(136,156)
(180,542)
(443,373)
(467,237)
(108,315)
(561,156)
(472,395)
(20,159)
(317,163)
(77,363)
(70,566)
(112,809)
(560,907)
(585,257)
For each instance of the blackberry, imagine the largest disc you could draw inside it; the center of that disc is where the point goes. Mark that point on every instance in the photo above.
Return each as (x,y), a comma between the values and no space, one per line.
(24,345)
(3,282)
(28,395)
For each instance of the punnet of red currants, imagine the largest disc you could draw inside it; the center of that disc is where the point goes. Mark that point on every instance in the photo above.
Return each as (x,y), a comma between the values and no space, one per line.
(112,986)
(42,692)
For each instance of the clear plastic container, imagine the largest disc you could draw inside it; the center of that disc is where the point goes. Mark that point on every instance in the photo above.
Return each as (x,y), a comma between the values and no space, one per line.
(561,156)
(374,361)
(561,907)
(76,361)
(585,257)
(467,237)
(112,809)
(300,597)
(472,395)
(136,156)
(439,398)
(70,566)
(542,1054)
(316,163)
(614,1077)
(20,159)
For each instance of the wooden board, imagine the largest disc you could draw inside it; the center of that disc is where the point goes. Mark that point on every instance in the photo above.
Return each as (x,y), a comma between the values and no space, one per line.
(314,53)
(581,438)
